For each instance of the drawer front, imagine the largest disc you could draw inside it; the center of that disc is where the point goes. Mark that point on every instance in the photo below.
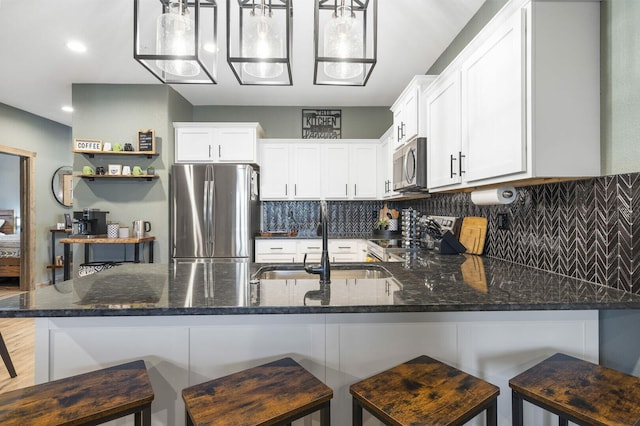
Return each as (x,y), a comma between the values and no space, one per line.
(275,258)
(343,246)
(275,247)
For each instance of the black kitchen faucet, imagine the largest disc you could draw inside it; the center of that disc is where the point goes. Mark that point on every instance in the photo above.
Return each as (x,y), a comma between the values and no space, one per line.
(323,269)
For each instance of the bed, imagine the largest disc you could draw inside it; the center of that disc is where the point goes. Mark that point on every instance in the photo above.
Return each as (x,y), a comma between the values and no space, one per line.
(9,245)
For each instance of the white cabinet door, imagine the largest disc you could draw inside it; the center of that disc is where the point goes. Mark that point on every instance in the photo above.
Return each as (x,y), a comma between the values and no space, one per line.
(236,144)
(274,171)
(443,139)
(336,161)
(363,171)
(306,172)
(194,145)
(410,115)
(493,87)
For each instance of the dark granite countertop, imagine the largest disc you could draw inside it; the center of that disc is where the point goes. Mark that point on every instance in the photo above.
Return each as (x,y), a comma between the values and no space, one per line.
(423,282)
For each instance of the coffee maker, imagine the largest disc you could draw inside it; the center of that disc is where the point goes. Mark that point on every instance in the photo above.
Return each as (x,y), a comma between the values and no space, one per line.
(91,223)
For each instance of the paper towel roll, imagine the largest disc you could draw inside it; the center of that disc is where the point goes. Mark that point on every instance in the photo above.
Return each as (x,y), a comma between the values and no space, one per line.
(487,197)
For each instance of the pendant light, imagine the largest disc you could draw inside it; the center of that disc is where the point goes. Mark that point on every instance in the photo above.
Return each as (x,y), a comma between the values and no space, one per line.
(259,41)
(176,39)
(345,44)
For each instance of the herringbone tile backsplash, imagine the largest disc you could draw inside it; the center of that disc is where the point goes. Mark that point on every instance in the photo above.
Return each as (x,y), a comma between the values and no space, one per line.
(588,229)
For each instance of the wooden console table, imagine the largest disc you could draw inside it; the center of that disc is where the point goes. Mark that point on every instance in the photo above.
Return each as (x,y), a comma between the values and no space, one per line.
(88,241)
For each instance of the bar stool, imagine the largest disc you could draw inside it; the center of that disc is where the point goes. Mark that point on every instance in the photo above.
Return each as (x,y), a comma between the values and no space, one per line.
(276,393)
(424,391)
(86,399)
(577,391)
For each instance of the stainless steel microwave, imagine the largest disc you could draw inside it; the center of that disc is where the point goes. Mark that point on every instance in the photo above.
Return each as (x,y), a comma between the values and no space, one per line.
(410,167)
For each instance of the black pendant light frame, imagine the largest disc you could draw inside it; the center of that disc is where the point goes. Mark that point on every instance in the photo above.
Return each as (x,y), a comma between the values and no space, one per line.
(236,61)
(148,60)
(357,6)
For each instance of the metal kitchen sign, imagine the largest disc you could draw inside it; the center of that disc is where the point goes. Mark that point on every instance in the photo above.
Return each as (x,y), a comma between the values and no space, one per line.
(321,124)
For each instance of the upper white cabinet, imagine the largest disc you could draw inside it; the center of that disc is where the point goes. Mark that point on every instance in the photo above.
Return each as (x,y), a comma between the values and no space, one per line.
(521,102)
(385,165)
(444,142)
(307,177)
(274,171)
(349,171)
(217,142)
(316,169)
(407,110)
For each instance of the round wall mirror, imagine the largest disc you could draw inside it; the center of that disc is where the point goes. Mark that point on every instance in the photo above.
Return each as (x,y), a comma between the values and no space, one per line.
(62,185)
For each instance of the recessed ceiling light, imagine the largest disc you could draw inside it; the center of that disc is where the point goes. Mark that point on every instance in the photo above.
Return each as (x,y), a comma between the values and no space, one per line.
(67,108)
(76,46)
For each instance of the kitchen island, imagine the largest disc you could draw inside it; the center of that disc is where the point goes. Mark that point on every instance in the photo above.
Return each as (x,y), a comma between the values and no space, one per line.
(192,322)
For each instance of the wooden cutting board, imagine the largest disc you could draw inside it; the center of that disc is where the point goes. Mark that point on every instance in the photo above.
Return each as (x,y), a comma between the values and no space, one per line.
(473,234)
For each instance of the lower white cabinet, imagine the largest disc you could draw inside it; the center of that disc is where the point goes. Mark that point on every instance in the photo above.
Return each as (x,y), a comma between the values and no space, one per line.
(280,250)
(339,349)
(276,251)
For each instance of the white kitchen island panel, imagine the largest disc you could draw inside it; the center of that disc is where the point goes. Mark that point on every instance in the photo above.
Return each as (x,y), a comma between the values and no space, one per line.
(339,349)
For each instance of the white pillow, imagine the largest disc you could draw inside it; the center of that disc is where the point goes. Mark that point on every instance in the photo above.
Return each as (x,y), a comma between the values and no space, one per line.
(1,222)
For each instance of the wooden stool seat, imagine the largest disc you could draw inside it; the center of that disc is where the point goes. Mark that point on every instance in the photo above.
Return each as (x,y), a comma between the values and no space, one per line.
(276,393)
(86,399)
(424,391)
(578,391)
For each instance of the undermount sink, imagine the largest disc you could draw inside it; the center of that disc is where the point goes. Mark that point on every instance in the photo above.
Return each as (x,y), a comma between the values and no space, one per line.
(338,272)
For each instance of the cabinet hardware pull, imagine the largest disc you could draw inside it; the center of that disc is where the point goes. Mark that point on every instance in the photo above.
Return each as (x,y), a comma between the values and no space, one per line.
(355,189)
(295,189)
(314,248)
(286,189)
(460,156)
(209,151)
(342,247)
(451,160)
(346,189)
(403,133)
(399,133)
(276,248)
(219,151)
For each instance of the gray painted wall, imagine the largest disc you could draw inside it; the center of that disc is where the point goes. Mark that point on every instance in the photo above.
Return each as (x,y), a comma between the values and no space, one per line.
(51,143)
(10,194)
(286,121)
(620,68)
(114,113)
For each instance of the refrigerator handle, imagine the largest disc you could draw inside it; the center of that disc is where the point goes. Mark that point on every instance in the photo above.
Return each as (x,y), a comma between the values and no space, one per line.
(206,210)
(212,196)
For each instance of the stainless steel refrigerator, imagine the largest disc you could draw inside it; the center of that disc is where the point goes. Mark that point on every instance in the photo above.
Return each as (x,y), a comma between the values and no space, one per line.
(215,210)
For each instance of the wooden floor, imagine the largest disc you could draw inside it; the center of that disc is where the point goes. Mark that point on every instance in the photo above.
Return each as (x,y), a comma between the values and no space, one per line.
(19,336)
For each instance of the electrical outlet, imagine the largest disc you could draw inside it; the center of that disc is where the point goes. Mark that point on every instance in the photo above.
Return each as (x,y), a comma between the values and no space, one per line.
(503,221)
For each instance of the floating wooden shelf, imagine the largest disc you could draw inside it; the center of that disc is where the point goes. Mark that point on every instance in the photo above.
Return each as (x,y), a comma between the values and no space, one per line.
(92,154)
(94,177)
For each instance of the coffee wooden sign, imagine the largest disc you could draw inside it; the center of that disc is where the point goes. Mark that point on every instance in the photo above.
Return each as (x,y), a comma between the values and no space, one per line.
(146,141)
(87,144)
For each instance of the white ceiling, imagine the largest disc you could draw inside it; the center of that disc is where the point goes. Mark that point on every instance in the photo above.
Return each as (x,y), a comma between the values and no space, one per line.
(37,70)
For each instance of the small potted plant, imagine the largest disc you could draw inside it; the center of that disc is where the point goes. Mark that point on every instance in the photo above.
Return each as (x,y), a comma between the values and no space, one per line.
(151,170)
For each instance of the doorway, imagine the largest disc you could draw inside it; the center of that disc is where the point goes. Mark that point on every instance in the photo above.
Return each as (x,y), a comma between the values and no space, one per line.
(27,215)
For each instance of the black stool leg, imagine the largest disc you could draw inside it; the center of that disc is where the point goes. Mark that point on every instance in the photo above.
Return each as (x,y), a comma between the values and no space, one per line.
(516,409)
(492,413)
(356,412)
(187,417)
(7,358)
(325,414)
(562,421)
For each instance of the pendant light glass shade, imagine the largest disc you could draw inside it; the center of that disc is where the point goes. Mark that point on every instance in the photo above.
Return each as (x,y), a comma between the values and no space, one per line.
(259,41)
(175,36)
(176,40)
(345,41)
